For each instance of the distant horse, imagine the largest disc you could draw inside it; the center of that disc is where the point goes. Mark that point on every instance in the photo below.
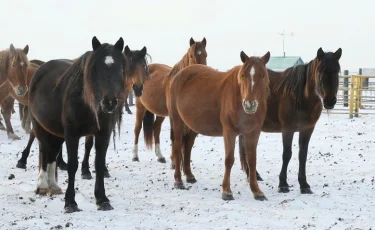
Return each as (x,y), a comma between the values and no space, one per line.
(153,100)
(298,95)
(138,70)
(205,101)
(13,72)
(69,100)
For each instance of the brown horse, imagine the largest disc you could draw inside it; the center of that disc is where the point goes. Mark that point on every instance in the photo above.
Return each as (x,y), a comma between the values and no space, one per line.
(298,96)
(13,71)
(153,100)
(8,95)
(212,103)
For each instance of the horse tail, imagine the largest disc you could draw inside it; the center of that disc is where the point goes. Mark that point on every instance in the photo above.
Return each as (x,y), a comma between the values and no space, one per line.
(243,153)
(26,119)
(20,110)
(148,132)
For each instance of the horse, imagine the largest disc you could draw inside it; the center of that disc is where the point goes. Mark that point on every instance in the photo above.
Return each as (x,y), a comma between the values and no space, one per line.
(298,95)
(138,70)
(9,95)
(69,100)
(153,100)
(13,71)
(138,67)
(225,104)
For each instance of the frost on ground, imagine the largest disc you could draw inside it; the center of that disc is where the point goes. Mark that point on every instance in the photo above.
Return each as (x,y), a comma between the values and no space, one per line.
(340,170)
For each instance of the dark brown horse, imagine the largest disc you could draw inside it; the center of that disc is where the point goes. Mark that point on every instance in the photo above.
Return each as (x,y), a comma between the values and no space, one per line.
(212,103)
(69,100)
(13,72)
(153,101)
(298,96)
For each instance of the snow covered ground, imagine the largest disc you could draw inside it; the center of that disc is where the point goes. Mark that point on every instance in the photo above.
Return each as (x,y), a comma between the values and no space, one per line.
(340,170)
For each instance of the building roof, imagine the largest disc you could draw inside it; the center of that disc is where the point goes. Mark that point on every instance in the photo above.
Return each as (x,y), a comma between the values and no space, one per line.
(280,63)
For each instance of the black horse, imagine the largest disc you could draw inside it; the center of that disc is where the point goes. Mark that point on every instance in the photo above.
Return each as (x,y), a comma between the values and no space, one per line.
(69,100)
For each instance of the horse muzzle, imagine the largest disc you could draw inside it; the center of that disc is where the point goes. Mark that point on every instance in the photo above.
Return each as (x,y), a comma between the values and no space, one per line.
(329,103)
(250,107)
(109,105)
(21,90)
(138,90)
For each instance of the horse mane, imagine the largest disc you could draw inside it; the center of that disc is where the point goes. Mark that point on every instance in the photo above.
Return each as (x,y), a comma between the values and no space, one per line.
(184,61)
(135,59)
(296,81)
(5,59)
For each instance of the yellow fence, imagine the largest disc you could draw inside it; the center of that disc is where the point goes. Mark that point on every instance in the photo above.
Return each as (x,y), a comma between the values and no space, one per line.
(362,95)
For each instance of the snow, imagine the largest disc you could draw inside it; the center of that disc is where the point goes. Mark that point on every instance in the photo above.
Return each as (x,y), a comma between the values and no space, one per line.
(340,170)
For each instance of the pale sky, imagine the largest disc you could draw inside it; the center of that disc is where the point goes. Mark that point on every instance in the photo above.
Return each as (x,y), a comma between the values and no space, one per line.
(64,28)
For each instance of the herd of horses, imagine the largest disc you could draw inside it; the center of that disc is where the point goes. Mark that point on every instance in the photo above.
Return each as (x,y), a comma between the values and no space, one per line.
(63,100)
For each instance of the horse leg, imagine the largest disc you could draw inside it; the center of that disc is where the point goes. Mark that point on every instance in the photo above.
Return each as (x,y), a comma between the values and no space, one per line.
(177,145)
(171,136)
(139,114)
(101,146)
(60,161)
(20,110)
(229,143)
(2,127)
(25,153)
(304,139)
(127,106)
(189,143)
(72,142)
(287,155)
(157,129)
(251,141)
(55,149)
(6,111)
(42,185)
(243,160)
(85,168)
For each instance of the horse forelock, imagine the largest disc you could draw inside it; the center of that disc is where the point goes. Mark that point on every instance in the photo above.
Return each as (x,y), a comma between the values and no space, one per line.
(132,62)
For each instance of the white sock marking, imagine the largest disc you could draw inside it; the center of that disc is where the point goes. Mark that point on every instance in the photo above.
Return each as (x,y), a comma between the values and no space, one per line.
(51,168)
(252,72)
(158,151)
(135,151)
(42,179)
(109,60)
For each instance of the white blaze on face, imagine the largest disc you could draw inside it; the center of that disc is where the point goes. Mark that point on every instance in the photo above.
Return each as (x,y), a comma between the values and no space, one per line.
(199,52)
(252,72)
(21,63)
(109,60)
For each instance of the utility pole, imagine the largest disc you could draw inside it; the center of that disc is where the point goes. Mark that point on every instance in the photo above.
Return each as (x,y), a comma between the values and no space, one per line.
(283,34)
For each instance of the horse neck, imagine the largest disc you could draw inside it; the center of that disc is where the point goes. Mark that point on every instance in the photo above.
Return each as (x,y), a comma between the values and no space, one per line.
(312,80)
(184,62)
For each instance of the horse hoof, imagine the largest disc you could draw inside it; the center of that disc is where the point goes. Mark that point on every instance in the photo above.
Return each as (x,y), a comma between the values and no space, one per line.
(135,159)
(56,192)
(162,160)
(227,196)
(106,174)
(21,165)
(130,112)
(283,189)
(13,136)
(179,185)
(259,178)
(63,166)
(42,191)
(86,176)
(260,197)
(306,191)
(191,180)
(70,208)
(106,206)
(2,127)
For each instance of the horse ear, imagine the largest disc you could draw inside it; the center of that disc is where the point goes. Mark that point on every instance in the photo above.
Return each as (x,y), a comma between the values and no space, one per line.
(127,51)
(144,51)
(204,42)
(320,54)
(26,49)
(192,42)
(338,53)
(95,43)
(244,57)
(120,44)
(12,50)
(266,57)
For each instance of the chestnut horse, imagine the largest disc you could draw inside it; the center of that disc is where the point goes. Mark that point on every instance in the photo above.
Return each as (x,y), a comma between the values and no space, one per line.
(298,96)
(8,96)
(13,72)
(153,101)
(205,101)
(69,100)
